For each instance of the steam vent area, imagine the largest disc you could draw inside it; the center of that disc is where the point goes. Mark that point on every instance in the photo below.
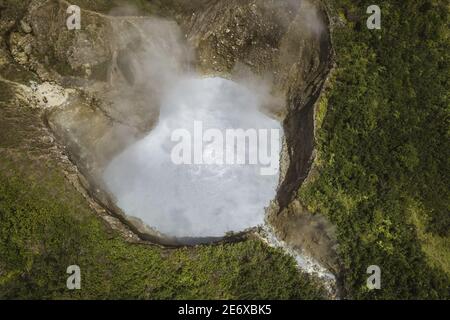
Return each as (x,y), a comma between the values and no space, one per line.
(151,109)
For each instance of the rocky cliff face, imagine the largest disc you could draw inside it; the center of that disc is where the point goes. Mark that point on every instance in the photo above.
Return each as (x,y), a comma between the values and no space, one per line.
(285,43)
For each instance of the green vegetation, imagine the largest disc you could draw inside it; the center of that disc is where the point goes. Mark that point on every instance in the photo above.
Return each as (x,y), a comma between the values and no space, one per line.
(384,149)
(45,226)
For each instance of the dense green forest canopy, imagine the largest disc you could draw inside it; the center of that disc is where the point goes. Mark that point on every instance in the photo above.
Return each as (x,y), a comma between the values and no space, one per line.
(384,148)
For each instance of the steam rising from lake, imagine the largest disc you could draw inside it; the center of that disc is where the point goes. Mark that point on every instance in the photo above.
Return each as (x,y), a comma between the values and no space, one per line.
(195,200)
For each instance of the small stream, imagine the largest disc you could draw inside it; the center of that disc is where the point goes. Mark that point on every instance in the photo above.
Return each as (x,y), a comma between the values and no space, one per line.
(305,262)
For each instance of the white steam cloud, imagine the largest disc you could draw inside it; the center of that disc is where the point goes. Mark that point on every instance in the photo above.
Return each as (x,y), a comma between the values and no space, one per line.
(150,76)
(194,200)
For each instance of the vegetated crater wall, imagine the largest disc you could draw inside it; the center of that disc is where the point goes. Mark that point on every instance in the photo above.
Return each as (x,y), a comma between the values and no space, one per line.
(286,43)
